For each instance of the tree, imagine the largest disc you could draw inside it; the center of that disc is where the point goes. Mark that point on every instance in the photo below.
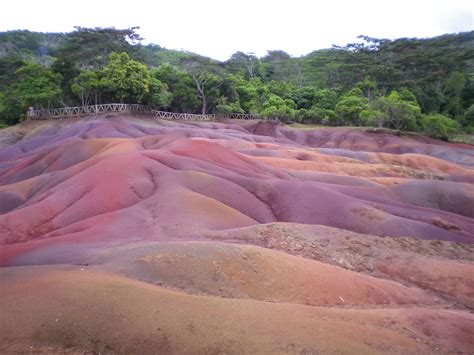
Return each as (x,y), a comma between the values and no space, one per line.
(31,46)
(3,104)
(68,71)
(159,95)
(304,97)
(225,107)
(206,79)
(251,94)
(130,78)
(275,106)
(438,126)
(349,108)
(89,48)
(429,76)
(276,66)
(316,115)
(87,86)
(367,87)
(454,88)
(325,99)
(182,89)
(399,113)
(12,110)
(370,117)
(469,117)
(37,86)
(247,63)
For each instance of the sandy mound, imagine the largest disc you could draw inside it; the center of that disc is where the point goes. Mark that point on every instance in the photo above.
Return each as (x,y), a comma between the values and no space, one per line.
(80,310)
(241,271)
(129,234)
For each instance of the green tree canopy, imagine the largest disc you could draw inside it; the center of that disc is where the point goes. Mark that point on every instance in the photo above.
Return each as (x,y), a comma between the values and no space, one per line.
(159,95)
(87,86)
(130,79)
(275,106)
(89,48)
(454,89)
(400,110)
(37,86)
(349,108)
(439,126)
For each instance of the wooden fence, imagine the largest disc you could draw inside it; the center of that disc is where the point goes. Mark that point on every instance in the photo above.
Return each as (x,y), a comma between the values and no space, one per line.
(105,108)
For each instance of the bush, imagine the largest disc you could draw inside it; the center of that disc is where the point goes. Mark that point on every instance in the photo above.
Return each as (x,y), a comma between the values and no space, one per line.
(276,107)
(224,108)
(372,118)
(468,118)
(349,108)
(400,110)
(438,126)
(316,115)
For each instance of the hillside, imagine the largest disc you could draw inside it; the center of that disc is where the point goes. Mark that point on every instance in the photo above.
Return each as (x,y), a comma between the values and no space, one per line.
(424,85)
(123,233)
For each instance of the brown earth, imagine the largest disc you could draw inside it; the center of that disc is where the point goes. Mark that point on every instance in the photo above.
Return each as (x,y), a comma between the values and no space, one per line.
(128,234)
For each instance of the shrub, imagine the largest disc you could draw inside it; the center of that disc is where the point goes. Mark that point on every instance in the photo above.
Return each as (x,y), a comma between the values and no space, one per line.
(438,126)
(372,118)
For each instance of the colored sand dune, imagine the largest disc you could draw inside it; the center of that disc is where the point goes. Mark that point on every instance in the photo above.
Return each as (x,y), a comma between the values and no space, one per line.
(128,234)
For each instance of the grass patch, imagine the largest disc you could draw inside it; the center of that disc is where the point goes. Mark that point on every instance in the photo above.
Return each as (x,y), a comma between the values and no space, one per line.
(304,127)
(462,138)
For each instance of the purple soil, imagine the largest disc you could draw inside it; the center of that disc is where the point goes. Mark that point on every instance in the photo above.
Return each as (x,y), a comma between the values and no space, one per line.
(72,190)
(174,179)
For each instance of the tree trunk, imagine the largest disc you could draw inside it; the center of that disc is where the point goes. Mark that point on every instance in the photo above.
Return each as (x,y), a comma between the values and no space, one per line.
(204,104)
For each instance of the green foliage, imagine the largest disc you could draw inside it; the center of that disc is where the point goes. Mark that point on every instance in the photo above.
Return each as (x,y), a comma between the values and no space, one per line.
(224,107)
(245,64)
(372,118)
(11,110)
(343,85)
(275,106)
(90,48)
(88,87)
(207,79)
(469,116)
(3,103)
(181,86)
(407,96)
(325,98)
(400,111)
(316,115)
(439,126)
(277,66)
(350,106)
(304,97)
(68,72)
(29,85)
(31,46)
(8,67)
(367,87)
(128,78)
(454,88)
(159,95)
(37,86)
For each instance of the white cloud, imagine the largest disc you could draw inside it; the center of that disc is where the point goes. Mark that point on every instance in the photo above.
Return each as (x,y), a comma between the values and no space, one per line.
(220,28)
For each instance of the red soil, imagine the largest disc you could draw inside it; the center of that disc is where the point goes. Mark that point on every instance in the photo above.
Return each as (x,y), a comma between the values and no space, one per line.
(112,194)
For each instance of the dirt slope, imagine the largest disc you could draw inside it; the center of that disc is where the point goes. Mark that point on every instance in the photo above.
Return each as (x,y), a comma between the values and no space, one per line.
(129,234)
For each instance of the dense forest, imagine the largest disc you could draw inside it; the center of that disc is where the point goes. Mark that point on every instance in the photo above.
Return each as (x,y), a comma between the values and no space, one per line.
(408,84)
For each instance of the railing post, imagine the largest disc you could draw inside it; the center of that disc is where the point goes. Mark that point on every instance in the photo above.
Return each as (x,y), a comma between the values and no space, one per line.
(30,113)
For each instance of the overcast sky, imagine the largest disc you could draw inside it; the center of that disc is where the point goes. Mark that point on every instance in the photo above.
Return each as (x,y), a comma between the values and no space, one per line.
(219,28)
